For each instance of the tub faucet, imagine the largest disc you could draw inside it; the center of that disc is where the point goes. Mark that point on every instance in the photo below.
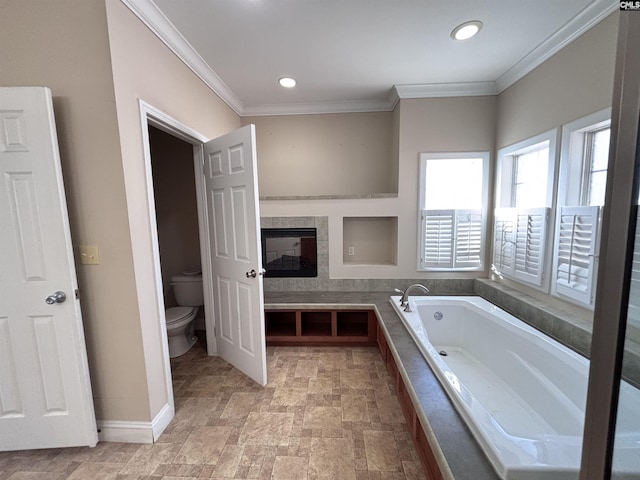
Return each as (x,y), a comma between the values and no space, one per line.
(405,296)
(401,292)
(497,272)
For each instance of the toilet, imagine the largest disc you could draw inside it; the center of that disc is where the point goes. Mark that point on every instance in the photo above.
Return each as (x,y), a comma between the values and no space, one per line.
(187,289)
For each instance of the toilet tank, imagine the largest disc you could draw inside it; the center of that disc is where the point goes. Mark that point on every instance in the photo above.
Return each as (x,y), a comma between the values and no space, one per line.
(188,290)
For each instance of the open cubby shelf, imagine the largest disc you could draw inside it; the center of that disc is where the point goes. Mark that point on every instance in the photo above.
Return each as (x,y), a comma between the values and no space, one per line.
(325,327)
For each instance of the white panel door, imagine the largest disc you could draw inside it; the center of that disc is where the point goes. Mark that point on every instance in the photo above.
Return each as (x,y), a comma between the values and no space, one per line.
(234,222)
(45,394)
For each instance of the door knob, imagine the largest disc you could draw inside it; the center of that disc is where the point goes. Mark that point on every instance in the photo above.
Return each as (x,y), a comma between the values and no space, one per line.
(56,297)
(254,274)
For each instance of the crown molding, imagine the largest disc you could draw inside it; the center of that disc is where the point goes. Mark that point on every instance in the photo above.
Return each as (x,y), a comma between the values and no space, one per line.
(159,24)
(435,90)
(317,108)
(570,31)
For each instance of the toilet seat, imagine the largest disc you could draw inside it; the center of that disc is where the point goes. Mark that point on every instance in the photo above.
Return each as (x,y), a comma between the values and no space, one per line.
(175,315)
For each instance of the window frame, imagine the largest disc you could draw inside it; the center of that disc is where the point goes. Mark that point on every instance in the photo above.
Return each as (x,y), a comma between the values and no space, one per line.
(587,157)
(505,199)
(486,164)
(506,171)
(573,179)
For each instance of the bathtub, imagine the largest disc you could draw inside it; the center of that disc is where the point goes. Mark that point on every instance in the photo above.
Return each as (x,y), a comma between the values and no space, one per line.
(521,393)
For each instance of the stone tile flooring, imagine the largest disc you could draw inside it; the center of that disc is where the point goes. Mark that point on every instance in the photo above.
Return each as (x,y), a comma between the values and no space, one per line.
(326,413)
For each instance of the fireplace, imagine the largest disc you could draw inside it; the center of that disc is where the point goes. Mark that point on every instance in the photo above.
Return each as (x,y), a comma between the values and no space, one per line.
(289,252)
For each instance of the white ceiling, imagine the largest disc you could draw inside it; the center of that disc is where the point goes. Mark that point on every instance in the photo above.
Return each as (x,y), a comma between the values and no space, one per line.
(347,55)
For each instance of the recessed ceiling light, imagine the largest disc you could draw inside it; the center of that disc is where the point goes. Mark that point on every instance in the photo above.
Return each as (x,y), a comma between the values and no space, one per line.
(466,30)
(287,82)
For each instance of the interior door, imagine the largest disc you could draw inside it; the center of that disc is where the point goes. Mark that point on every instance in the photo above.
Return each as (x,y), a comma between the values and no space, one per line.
(45,394)
(234,221)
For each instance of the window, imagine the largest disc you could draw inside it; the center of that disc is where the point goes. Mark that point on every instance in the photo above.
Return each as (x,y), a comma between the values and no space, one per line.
(530,177)
(583,177)
(596,159)
(524,199)
(453,199)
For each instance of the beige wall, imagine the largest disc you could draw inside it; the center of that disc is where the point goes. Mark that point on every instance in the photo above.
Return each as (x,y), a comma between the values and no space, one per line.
(174,189)
(575,82)
(98,61)
(144,68)
(64,45)
(333,154)
(424,125)
(458,124)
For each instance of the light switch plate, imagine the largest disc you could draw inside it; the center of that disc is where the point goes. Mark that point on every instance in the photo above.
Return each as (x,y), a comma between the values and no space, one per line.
(89,255)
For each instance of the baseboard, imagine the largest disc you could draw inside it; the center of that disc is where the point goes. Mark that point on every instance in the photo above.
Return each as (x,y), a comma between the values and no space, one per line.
(162,420)
(135,432)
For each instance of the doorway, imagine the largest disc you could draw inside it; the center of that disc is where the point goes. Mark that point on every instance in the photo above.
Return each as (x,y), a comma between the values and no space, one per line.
(225,173)
(176,208)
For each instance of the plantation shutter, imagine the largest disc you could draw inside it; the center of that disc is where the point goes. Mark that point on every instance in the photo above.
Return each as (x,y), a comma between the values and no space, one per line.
(530,240)
(576,241)
(519,243)
(468,239)
(451,239)
(504,240)
(437,236)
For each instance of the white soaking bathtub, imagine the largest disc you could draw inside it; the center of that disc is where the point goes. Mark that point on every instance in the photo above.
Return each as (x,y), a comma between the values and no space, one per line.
(521,393)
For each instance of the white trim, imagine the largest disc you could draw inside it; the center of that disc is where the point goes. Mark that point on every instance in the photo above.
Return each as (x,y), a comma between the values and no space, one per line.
(150,115)
(162,420)
(572,155)
(436,90)
(160,25)
(318,108)
(135,432)
(125,432)
(503,183)
(593,14)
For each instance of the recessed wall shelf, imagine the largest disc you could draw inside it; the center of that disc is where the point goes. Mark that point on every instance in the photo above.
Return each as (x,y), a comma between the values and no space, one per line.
(370,241)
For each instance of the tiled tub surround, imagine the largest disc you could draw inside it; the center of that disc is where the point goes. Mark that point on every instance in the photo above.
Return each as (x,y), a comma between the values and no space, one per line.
(457,452)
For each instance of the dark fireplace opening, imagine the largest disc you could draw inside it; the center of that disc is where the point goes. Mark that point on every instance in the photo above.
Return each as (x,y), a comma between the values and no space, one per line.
(289,252)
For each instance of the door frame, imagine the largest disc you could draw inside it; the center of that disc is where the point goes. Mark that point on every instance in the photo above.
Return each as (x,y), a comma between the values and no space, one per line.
(150,115)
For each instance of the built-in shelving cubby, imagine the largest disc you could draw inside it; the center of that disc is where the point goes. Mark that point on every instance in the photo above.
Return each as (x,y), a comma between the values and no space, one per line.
(320,327)
(281,323)
(370,240)
(315,324)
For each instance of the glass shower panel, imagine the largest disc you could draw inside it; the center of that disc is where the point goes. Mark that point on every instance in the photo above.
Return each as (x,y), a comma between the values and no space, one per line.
(626,452)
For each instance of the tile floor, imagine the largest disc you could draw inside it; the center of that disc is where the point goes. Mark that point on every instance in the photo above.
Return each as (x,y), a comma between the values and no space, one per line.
(327,413)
